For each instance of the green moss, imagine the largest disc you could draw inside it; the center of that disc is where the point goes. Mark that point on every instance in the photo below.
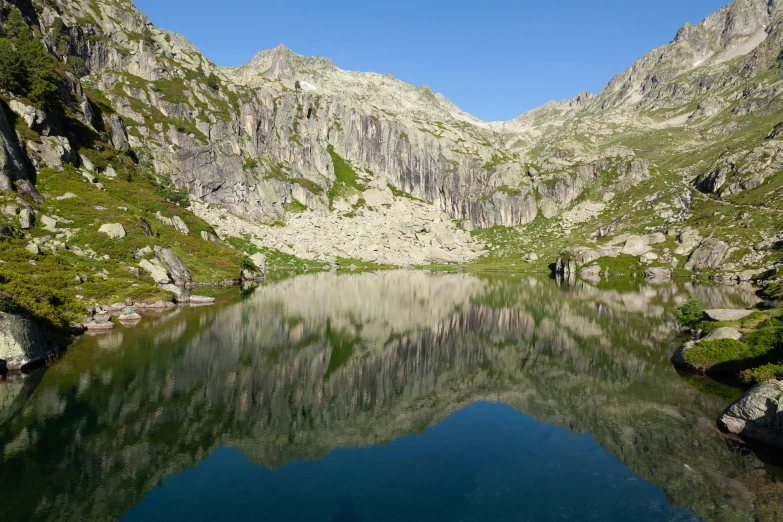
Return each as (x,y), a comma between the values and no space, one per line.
(708,354)
(346,180)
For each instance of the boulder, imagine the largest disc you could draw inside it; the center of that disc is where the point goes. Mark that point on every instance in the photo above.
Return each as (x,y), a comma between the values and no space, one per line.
(727,315)
(711,253)
(531,258)
(26,218)
(757,416)
(99,326)
(658,275)
(648,258)
(113,230)
(28,190)
(129,315)
(679,357)
(21,342)
(158,273)
(175,222)
(145,227)
(176,268)
(209,236)
(689,239)
(259,261)
(53,152)
(35,118)
(723,333)
(33,248)
(636,245)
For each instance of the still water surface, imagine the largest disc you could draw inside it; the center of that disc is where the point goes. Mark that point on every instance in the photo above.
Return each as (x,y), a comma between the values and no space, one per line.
(384,397)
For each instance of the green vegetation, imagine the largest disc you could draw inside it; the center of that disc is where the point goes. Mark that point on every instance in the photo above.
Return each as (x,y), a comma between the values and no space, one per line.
(26,68)
(346,180)
(691,313)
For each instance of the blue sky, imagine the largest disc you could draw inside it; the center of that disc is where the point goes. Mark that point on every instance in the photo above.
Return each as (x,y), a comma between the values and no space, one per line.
(494,59)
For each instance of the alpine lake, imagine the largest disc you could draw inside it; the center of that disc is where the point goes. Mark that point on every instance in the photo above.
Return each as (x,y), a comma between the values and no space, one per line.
(388,396)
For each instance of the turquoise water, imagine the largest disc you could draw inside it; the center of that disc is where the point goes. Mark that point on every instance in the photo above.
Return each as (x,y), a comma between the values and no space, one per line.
(388,396)
(485,462)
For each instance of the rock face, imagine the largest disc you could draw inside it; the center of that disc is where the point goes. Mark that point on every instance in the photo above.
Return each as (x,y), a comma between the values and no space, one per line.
(758,415)
(12,165)
(21,342)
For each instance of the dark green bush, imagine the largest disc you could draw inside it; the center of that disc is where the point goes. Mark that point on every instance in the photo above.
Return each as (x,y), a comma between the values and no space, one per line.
(691,313)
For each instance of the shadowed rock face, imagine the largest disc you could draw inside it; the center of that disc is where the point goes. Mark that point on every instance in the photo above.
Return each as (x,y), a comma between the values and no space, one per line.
(301,367)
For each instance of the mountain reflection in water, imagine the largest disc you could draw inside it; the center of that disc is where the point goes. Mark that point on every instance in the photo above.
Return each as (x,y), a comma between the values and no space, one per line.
(303,367)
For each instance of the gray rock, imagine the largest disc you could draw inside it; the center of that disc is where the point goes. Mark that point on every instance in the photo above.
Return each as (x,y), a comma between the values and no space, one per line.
(259,261)
(89,114)
(209,236)
(113,230)
(12,163)
(21,342)
(201,300)
(52,152)
(35,118)
(28,190)
(175,222)
(26,218)
(99,326)
(757,416)
(723,333)
(176,268)
(689,239)
(33,248)
(158,273)
(727,315)
(636,246)
(119,134)
(531,258)
(711,253)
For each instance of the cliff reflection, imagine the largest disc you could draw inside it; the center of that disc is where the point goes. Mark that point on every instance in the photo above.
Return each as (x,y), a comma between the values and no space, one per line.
(318,362)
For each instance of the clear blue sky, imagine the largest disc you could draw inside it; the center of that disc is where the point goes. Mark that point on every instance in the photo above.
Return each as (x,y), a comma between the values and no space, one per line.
(494,59)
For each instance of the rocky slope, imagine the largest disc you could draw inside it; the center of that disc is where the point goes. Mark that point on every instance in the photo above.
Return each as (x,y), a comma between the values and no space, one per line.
(288,142)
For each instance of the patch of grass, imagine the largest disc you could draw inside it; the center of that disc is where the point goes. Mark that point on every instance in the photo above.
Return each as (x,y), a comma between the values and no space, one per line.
(708,354)
(346,180)
(294,207)
(762,373)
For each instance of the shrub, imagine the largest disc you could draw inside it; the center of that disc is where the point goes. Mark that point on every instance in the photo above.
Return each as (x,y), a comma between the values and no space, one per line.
(213,82)
(762,373)
(691,313)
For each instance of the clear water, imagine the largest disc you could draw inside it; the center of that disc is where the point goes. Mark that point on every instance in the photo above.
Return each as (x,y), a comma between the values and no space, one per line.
(391,396)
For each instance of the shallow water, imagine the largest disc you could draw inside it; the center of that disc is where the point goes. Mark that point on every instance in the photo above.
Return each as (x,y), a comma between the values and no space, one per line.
(390,396)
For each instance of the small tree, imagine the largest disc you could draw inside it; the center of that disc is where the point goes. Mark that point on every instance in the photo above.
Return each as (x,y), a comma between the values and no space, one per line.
(298,85)
(12,70)
(690,313)
(213,82)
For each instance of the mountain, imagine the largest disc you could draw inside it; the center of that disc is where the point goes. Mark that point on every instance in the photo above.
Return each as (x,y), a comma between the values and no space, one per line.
(675,163)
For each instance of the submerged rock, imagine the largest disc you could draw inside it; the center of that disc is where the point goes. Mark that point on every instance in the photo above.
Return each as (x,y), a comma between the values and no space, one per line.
(21,342)
(757,416)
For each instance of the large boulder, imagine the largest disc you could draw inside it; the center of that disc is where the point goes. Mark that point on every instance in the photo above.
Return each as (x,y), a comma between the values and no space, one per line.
(113,230)
(175,222)
(53,152)
(723,333)
(727,315)
(21,342)
(689,239)
(636,245)
(710,254)
(26,218)
(28,190)
(176,268)
(34,117)
(758,415)
(156,270)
